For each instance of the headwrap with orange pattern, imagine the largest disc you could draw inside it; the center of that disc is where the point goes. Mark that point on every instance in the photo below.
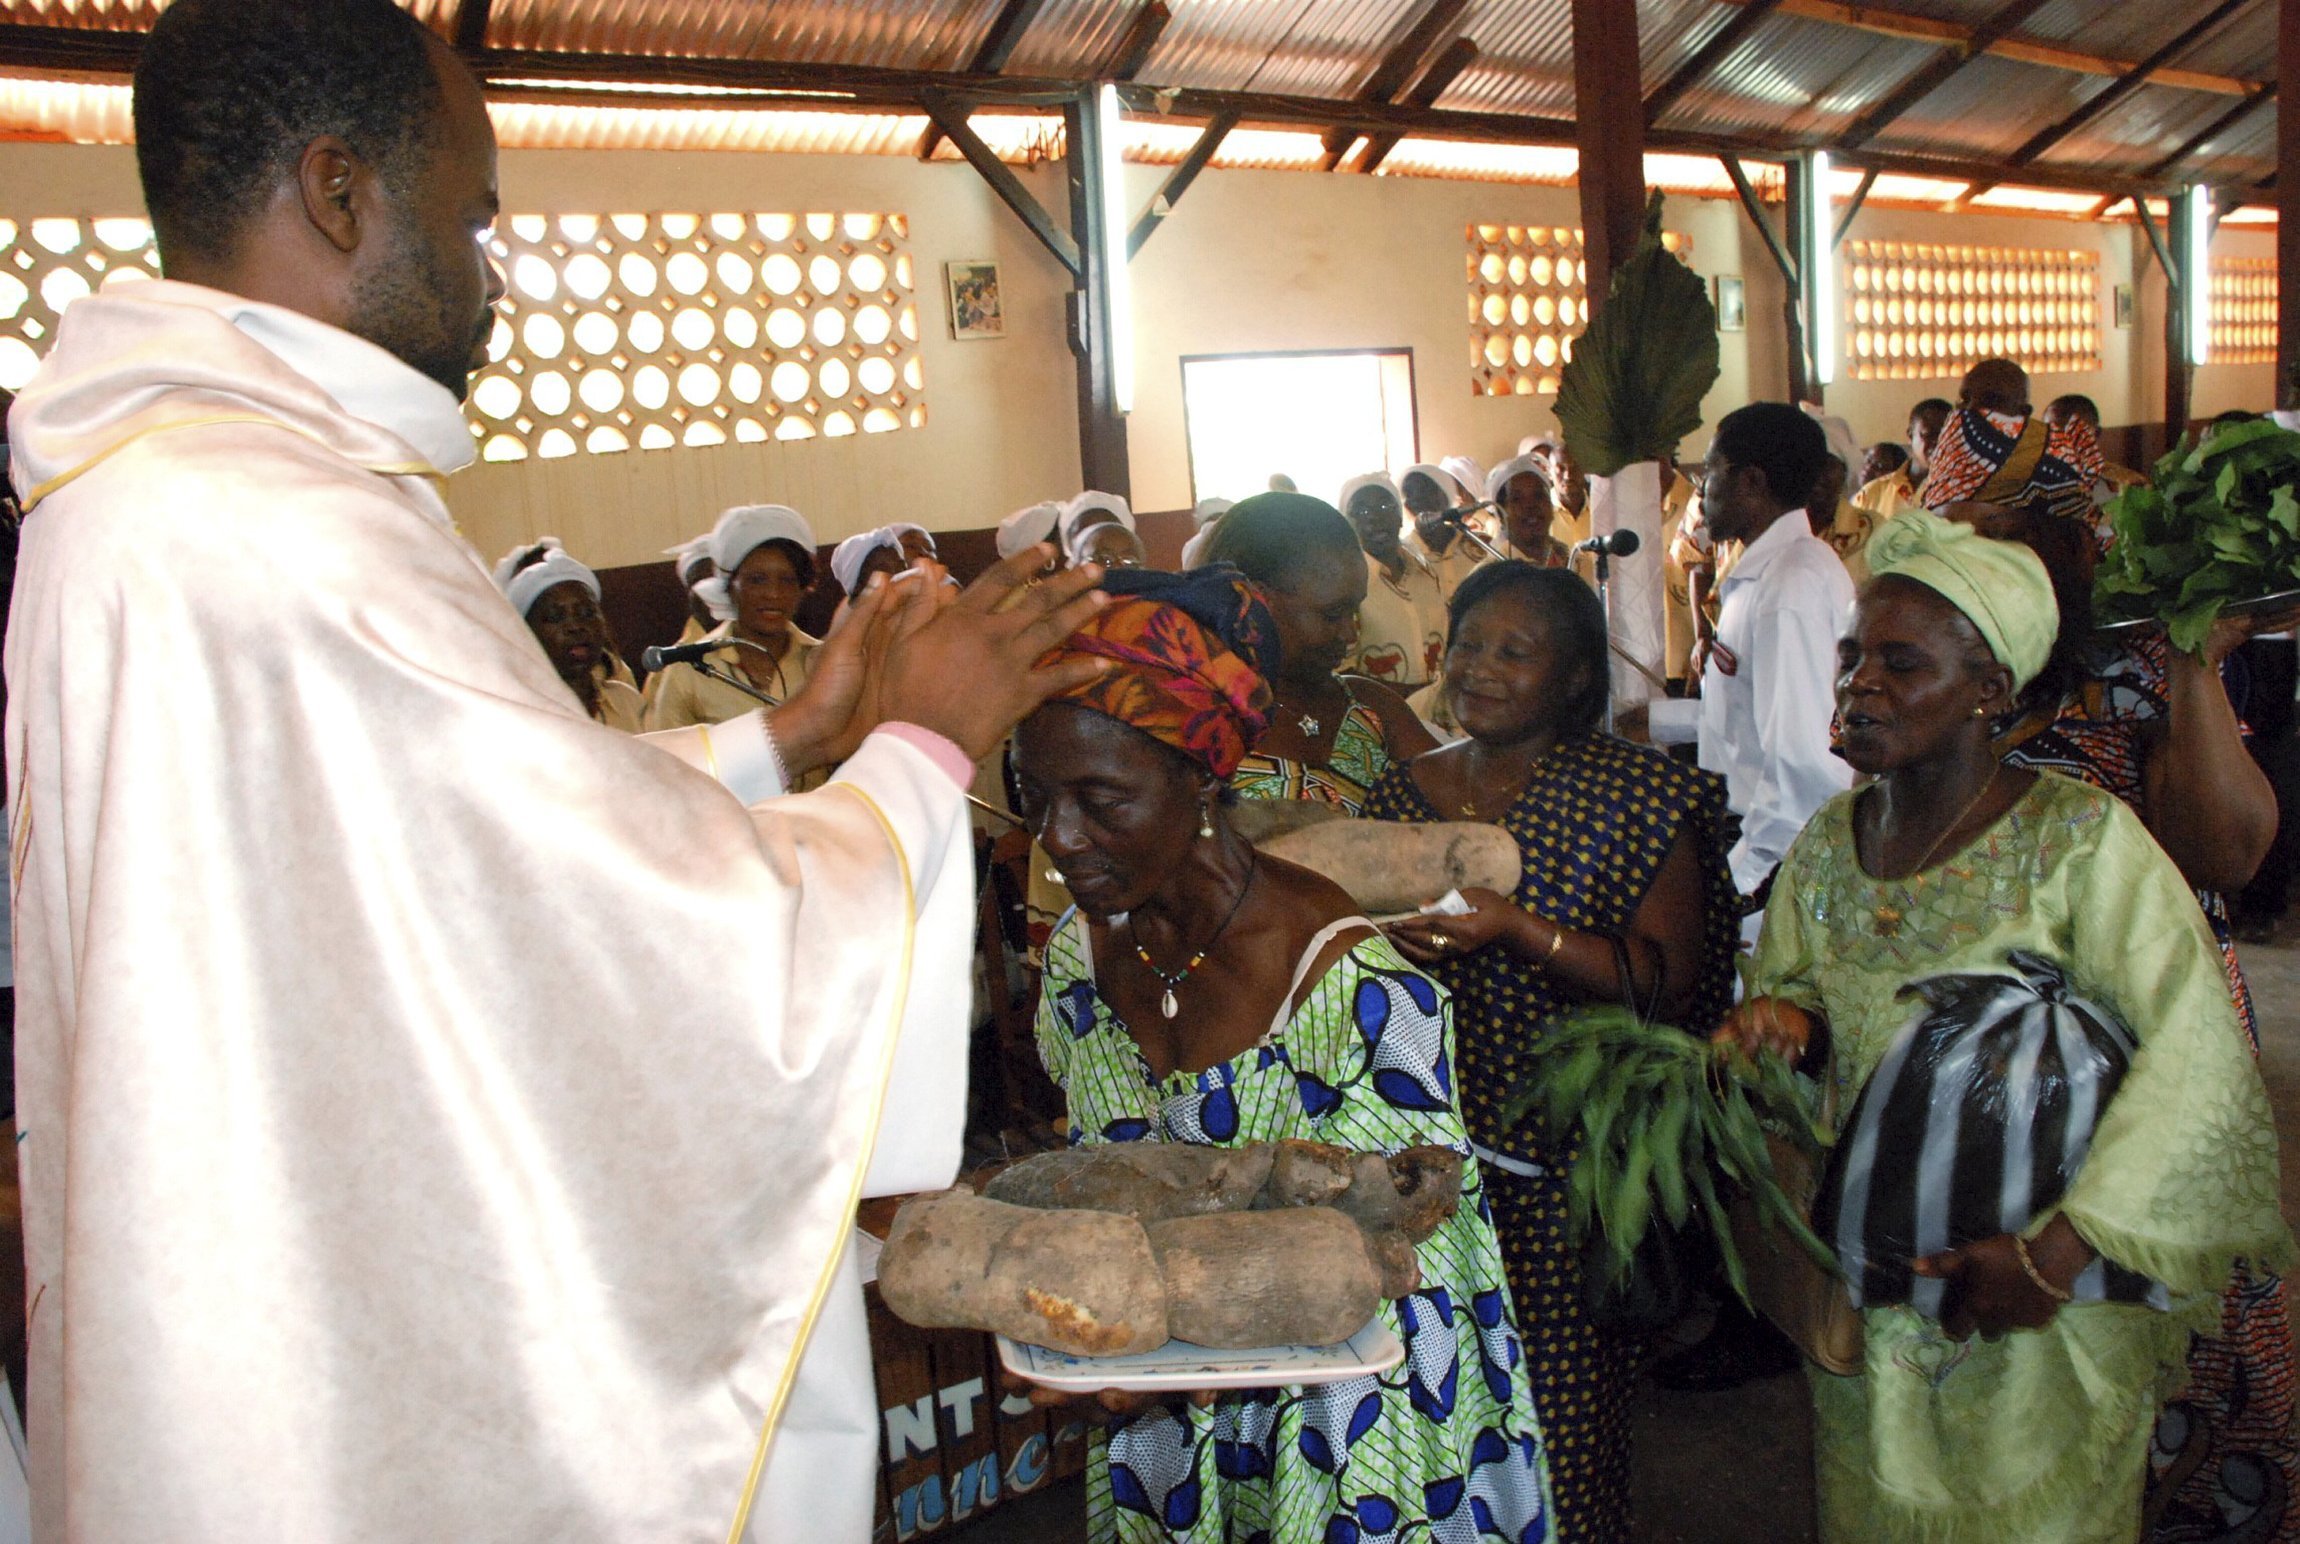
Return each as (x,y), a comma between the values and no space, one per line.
(1192,654)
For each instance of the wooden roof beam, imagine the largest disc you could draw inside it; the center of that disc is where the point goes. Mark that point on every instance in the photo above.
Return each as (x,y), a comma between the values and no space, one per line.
(471,23)
(1134,49)
(2212,131)
(952,119)
(1178,181)
(1937,72)
(997,47)
(1925,29)
(1459,55)
(1710,55)
(2126,84)
(1397,65)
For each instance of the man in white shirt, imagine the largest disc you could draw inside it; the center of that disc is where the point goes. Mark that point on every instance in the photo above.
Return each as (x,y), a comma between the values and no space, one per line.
(442,1116)
(1769,690)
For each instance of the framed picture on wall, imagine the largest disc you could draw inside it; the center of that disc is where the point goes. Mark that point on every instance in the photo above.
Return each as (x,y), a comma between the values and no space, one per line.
(1732,303)
(2124,306)
(976,308)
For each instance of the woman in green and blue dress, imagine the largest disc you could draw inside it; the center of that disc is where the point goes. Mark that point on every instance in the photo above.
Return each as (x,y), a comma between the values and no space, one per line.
(1200,993)
(1331,735)
(2024,1411)
(1624,897)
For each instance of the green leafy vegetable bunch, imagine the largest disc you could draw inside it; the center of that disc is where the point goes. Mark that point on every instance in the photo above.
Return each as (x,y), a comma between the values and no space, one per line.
(1660,1124)
(2220,525)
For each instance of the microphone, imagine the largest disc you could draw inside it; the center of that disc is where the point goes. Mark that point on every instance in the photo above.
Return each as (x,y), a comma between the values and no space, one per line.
(1620,544)
(655,656)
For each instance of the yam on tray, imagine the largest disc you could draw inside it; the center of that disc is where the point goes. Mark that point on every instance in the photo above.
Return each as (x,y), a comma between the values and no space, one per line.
(1085,1282)
(1303,1276)
(1393,866)
(1144,1180)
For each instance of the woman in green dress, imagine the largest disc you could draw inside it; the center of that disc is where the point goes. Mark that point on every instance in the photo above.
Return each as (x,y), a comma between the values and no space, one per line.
(1200,993)
(1331,735)
(1624,896)
(2037,1429)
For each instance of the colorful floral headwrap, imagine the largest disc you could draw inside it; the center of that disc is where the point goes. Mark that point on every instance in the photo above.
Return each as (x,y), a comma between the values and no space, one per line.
(1192,654)
(1996,458)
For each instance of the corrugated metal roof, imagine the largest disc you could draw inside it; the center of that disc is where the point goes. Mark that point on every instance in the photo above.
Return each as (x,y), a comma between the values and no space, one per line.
(889,34)
(1524,60)
(1797,79)
(1989,108)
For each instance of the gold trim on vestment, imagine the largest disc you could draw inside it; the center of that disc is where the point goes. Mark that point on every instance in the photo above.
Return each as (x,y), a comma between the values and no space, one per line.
(862,1167)
(32,499)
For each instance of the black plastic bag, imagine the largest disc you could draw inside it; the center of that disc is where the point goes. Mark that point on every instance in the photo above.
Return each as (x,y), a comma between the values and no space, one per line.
(1975,1121)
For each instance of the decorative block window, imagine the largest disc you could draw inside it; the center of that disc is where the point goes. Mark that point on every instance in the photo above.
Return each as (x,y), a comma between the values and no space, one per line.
(650,330)
(47,264)
(657,330)
(1528,301)
(1916,311)
(2243,301)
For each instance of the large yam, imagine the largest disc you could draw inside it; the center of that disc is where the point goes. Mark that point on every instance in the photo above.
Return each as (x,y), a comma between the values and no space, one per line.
(1390,866)
(1146,1180)
(1414,1190)
(1085,1282)
(1303,1276)
(1259,820)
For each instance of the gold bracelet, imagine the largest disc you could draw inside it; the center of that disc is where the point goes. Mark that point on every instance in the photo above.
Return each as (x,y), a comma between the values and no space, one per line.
(1556,943)
(2028,1267)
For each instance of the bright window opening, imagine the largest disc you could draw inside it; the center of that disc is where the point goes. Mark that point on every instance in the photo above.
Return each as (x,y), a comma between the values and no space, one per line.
(1319,419)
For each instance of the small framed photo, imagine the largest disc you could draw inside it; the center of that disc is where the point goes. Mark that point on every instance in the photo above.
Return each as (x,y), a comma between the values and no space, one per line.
(976,308)
(2124,306)
(1732,303)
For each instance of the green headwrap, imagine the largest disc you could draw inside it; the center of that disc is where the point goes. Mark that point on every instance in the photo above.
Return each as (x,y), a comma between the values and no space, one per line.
(2000,586)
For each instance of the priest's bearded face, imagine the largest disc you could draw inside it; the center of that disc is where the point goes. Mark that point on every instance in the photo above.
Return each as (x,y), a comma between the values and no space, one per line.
(428,291)
(1112,807)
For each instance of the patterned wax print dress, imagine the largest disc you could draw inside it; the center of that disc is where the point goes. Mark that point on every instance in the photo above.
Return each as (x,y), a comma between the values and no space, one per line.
(2041,1436)
(1595,821)
(1444,1447)
(2225,1464)
(1360,756)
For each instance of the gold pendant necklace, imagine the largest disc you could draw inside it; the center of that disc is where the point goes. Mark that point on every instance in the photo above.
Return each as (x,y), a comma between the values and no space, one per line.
(1890,917)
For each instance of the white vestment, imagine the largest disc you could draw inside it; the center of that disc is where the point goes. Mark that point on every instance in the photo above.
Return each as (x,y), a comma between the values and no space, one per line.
(442,1115)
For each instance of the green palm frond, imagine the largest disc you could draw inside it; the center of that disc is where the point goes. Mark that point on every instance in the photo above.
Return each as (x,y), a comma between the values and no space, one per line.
(1634,386)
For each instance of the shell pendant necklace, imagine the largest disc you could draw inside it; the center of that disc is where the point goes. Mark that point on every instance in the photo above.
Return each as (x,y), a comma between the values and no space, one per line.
(1172,979)
(1890,917)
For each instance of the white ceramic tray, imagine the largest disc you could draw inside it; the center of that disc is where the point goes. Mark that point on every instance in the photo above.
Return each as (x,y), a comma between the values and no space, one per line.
(1179,1365)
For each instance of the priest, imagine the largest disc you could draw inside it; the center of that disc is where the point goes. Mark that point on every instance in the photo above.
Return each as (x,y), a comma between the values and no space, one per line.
(442,1116)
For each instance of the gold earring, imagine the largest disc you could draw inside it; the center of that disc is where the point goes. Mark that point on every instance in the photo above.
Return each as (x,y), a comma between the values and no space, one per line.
(1205,820)
(1981,712)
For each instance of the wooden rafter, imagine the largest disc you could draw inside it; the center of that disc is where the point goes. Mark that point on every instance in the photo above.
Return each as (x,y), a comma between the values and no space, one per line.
(2124,85)
(1911,28)
(951,118)
(1178,181)
(2212,131)
(1937,72)
(1134,49)
(1397,66)
(990,57)
(471,23)
(1447,68)
(1710,55)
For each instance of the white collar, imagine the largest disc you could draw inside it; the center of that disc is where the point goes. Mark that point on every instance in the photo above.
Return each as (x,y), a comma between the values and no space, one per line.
(369,383)
(1779,537)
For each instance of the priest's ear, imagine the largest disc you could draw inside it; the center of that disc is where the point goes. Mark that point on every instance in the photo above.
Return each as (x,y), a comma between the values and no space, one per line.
(338,191)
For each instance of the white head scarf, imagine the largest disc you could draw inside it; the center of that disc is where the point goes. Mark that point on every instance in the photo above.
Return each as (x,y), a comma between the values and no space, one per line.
(902,528)
(1207,511)
(1090,502)
(740,532)
(1536,445)
(689,556)
(848,557)
(523,587)
(1515,467)
(1447,487)
(1361,483)
(1464,473)
(1028,527)
(1843,443)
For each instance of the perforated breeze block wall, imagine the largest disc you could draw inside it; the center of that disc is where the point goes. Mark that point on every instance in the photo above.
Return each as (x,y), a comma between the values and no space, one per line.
(1528,301)
(1915,311)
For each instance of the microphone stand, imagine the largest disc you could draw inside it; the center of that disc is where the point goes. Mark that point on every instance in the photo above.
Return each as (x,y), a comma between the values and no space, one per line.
(705,667)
